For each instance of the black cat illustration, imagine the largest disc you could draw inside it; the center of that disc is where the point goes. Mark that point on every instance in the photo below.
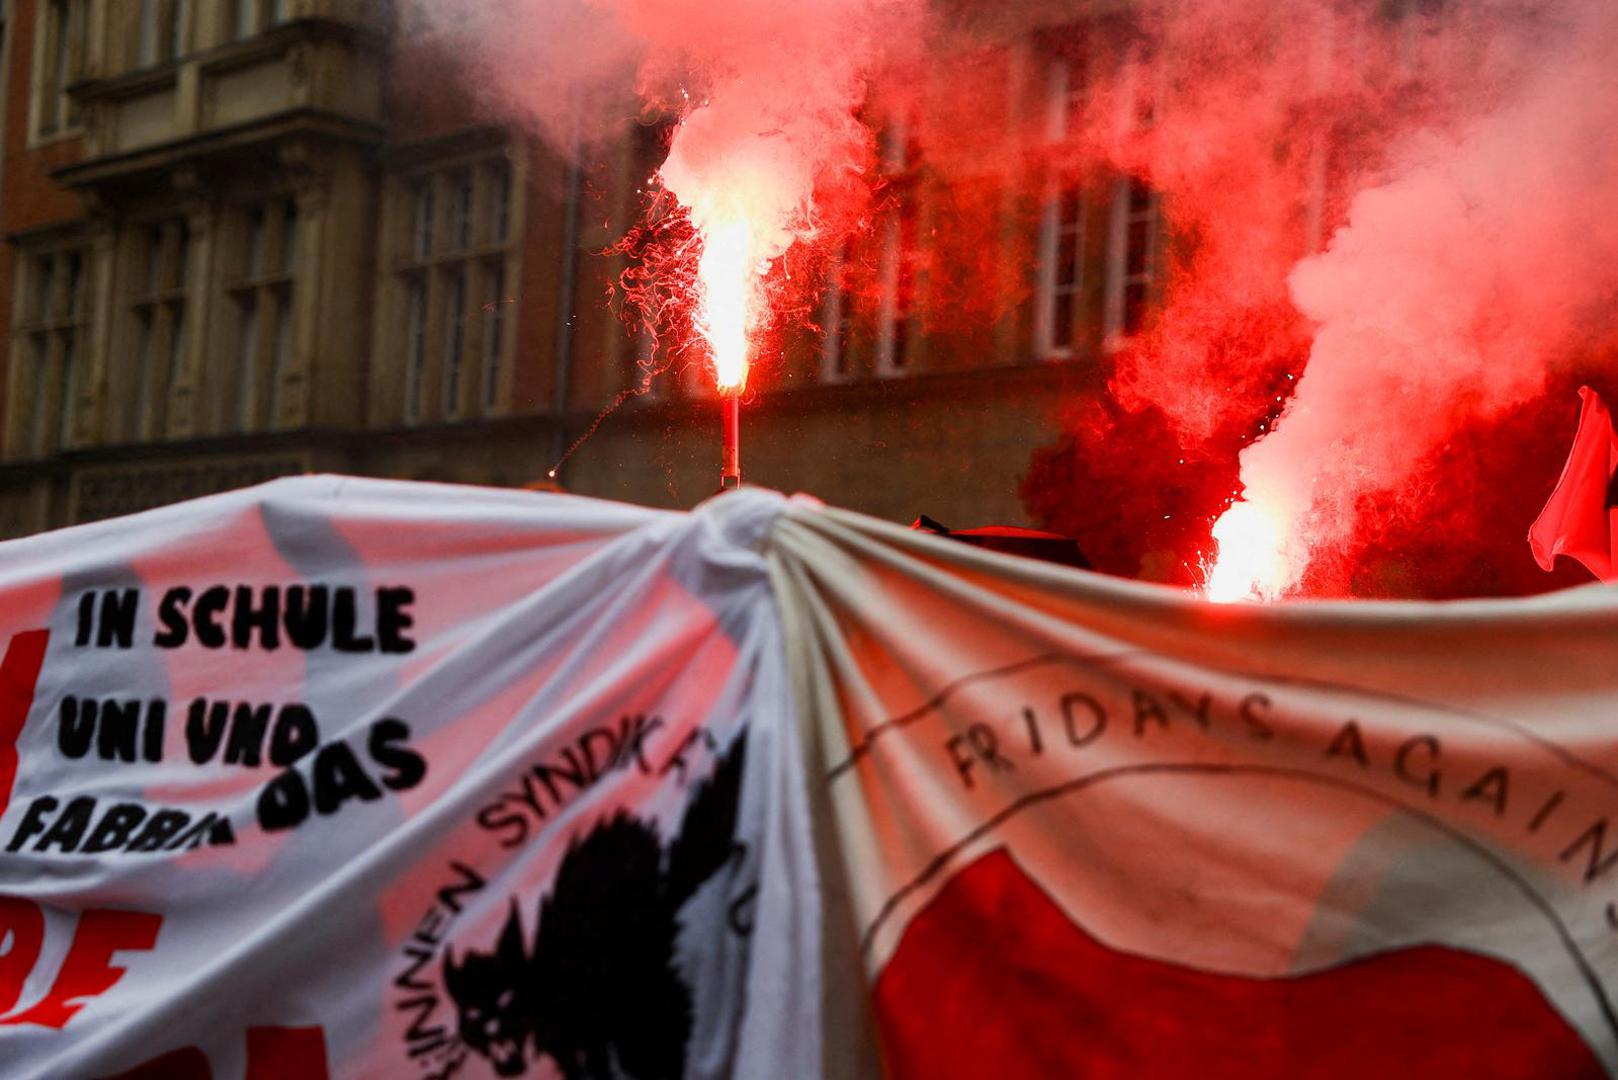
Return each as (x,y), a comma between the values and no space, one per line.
(599,992)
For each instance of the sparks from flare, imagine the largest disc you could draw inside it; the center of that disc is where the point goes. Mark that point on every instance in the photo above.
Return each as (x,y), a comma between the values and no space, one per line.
(709,274)
(689,292)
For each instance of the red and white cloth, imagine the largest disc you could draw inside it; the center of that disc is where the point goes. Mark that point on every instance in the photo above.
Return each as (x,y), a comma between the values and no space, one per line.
(367,779)
(1092,827)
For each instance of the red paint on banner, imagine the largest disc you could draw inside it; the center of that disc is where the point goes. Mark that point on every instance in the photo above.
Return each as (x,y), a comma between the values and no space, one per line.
(22,923)
(87,970)
(19,672)
(994,979)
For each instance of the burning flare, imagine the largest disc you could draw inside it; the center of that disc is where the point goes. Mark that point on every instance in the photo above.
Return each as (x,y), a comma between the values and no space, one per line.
(728,298)
(1253,561)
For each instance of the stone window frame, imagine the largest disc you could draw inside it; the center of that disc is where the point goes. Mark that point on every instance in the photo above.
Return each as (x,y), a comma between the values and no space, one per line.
(160,314)
(260,286)
(61,54)
(452,270)
(53,319)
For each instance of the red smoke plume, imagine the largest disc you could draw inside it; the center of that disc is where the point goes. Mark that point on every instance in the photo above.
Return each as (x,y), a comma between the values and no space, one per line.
(1406,394)
(1391,257)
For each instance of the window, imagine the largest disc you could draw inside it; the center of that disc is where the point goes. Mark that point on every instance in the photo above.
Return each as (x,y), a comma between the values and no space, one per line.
(459,237)
(837,323)
(1067,83)
(160,32)
(1134,226)
(416,350)
(421,200)
(494,332)
(454,339)
(499,203)
(1132,253)
(452,275)
(52,335)
(650,373)
(157,311)
(1322,188)
(900,251)
(5,11)
(261,295)
(1061,267)
(61,47)
(869,305)
(244,18)
(1062,234)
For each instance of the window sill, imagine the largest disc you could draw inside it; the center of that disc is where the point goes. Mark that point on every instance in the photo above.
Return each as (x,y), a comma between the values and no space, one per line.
(268,281)
(126,84)
(76,321)
(447,258)
(161,296)
(38,140)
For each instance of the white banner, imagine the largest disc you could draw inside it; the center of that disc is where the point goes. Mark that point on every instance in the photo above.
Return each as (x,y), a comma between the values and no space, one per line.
(338,777)
(1091,827)
(344,778)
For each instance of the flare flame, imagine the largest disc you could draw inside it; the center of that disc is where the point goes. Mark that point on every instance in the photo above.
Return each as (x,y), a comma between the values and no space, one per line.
(1252,562)
(728,300)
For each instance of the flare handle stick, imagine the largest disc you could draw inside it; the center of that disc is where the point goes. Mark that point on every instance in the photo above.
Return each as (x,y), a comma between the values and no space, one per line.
(730,471)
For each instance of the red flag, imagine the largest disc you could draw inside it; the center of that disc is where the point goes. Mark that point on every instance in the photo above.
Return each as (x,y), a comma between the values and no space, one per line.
(1578,519)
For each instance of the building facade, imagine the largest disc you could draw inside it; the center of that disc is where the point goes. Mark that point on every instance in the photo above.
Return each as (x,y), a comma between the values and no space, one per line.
(250,238)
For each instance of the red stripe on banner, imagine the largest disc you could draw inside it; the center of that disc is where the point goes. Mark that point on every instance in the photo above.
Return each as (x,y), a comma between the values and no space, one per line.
(19,672)
(994,979)
(286,1053)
